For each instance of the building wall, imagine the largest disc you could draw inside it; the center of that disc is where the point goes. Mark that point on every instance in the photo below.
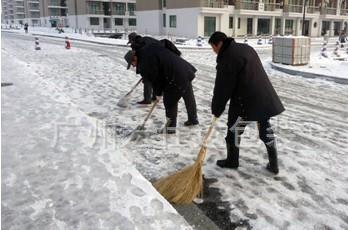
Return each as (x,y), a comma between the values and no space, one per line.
(149,22)
(148,5)
(186,22)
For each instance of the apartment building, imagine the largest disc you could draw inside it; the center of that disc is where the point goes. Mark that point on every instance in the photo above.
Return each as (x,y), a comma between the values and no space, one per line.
(102,14)
(20,12)
(242,17)
(84,14)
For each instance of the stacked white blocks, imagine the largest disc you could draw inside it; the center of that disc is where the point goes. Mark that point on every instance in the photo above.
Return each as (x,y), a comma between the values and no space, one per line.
(291,50)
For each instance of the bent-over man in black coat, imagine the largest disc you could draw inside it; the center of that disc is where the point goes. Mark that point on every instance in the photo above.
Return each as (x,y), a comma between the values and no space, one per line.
(138,41)
(171,76)
(242,80)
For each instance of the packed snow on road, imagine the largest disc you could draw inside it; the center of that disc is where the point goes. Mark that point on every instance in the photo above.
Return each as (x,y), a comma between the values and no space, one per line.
(310,192)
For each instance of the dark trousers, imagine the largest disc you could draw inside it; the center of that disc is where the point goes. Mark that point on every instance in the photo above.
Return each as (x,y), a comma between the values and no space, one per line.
(148,92)
(171,97)
(236,129)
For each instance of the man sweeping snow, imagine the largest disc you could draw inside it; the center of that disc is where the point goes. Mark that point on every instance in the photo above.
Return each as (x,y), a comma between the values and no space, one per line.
(241,79)
(136,41)
(170,75)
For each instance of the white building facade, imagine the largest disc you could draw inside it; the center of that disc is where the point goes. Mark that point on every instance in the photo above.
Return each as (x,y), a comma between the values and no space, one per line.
(238,18)
(79,14)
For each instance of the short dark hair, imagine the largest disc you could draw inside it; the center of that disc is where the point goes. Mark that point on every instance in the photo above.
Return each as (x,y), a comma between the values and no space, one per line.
(217,37)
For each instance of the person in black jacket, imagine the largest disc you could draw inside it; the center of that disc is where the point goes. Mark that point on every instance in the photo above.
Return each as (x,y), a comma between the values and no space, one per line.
(242,80)
(171,76)
(149,95)
(137,41)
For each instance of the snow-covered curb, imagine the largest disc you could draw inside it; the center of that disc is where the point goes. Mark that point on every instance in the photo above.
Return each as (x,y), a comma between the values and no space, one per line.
(287,69)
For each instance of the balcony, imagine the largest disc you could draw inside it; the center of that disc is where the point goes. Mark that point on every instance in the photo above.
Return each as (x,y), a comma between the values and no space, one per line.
(313,9)
(247,5)
(214,3)
(95,11)
(293,8)
(328,11)
(344,12)
(272,6)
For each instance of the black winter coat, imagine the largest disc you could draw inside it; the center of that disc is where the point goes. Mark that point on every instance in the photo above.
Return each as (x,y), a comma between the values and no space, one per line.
(165,69)
(242,79)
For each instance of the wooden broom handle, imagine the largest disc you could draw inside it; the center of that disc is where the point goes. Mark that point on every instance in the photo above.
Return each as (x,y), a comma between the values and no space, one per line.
(134,87)
(210,130)
(150,112)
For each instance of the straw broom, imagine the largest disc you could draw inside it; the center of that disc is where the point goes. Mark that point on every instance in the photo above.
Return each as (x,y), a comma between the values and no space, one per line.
(185,185)
(125,100)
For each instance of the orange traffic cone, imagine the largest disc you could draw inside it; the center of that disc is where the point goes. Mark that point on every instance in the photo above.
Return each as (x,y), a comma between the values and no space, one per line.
(67,43)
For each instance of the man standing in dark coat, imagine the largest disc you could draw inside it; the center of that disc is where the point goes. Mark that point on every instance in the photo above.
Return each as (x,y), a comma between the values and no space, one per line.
(241,79)
(171,76)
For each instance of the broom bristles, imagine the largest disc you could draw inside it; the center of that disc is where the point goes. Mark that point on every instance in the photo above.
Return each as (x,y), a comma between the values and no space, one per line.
(185,185)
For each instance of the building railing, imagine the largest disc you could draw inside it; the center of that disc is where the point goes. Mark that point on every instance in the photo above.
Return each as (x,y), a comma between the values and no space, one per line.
(272,6)
(344,12)
(327,10)
(95,11)
(293,8)
(313,9)
(213,3)
(119,12)
(246,5)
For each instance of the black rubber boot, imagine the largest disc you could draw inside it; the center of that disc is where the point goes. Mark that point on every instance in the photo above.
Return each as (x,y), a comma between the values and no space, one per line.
(232,160)
(272,166)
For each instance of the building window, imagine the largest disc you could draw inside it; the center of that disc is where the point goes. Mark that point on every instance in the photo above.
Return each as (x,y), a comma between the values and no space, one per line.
(172,21)
(209,26)
(131,9)
(238,23)
(120,8)
(231,23)
(94,21)
(132,22)
(164,20)
(94,8)
(164,3)
(289,24)
(118,21)
(278,26)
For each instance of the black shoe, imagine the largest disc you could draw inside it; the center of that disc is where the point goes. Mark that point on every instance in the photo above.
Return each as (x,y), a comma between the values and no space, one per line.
(191,123)
(143,102)
(232,160)
(274,170)
(167,131)
(272,166)
(226,164)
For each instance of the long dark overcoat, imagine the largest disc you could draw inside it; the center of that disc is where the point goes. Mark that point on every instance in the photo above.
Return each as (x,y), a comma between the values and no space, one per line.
(166,70)
(242,79)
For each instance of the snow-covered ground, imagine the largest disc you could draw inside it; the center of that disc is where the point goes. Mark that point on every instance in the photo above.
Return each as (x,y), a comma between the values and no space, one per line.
(311,191)
(52,176)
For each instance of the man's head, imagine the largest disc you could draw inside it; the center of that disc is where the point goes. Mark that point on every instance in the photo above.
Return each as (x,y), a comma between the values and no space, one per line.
(131,37)
(131,59)
(216,40)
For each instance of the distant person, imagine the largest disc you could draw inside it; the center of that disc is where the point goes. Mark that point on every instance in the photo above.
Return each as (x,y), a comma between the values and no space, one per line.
(136,41)
(26,27)
(241,79)
(171,76)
